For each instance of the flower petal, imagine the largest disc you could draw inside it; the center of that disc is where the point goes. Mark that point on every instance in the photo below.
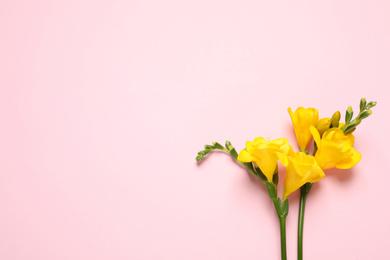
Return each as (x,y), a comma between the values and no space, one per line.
(244,156)
(350,161)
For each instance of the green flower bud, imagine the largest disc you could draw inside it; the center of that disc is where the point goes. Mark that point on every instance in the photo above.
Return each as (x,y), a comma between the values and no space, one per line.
(227,144)
(209,147)
(365,114)
(201,154)
(371,104)
(363,103)
(348,115)
(218,145)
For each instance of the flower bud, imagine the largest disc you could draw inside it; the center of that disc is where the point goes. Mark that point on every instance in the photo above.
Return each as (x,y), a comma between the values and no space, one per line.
(228,144)
(218,145)
(363,103)
(348,115)
(323,125)
(371,104)
(336,119)
(365,114)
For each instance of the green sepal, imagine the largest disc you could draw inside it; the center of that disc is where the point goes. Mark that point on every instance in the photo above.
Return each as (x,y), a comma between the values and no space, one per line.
(271,188)
(249,166)
(260,174)
(306,187)
(234,153)
(283,207)
(275,178)
(315,149)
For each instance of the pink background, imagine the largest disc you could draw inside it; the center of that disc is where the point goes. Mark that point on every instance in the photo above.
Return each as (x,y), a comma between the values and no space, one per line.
(104,105)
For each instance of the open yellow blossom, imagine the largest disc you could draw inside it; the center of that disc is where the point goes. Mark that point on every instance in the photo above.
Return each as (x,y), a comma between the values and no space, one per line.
(263,153)
(300,169)
(335,149)
(302,119)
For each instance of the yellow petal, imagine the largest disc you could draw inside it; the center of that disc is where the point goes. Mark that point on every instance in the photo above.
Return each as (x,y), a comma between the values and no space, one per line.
(267,162)
(302,119)
(316,135)
(302,168)
(350,161)
(328,155)
(244,156)
(283,158)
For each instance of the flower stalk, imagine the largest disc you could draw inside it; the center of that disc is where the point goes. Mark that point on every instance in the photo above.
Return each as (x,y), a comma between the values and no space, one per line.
(281,207)
(302,203)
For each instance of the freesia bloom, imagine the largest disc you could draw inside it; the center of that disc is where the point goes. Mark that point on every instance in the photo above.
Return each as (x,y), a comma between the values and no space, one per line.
(263,153)
(335,149)
(302,119)
(301,168)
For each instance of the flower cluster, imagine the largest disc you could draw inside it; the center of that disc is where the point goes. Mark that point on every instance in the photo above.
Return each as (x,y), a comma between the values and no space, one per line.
(333,148)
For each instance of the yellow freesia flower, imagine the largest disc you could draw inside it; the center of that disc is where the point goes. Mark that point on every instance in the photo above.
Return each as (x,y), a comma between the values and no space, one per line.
(335,149)
(300,169)
(263,153)
(302,119)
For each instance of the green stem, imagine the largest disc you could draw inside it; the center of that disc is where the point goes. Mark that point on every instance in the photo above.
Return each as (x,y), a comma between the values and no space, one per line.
(302,202)
(283,237)
(282,211)
(281,207)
